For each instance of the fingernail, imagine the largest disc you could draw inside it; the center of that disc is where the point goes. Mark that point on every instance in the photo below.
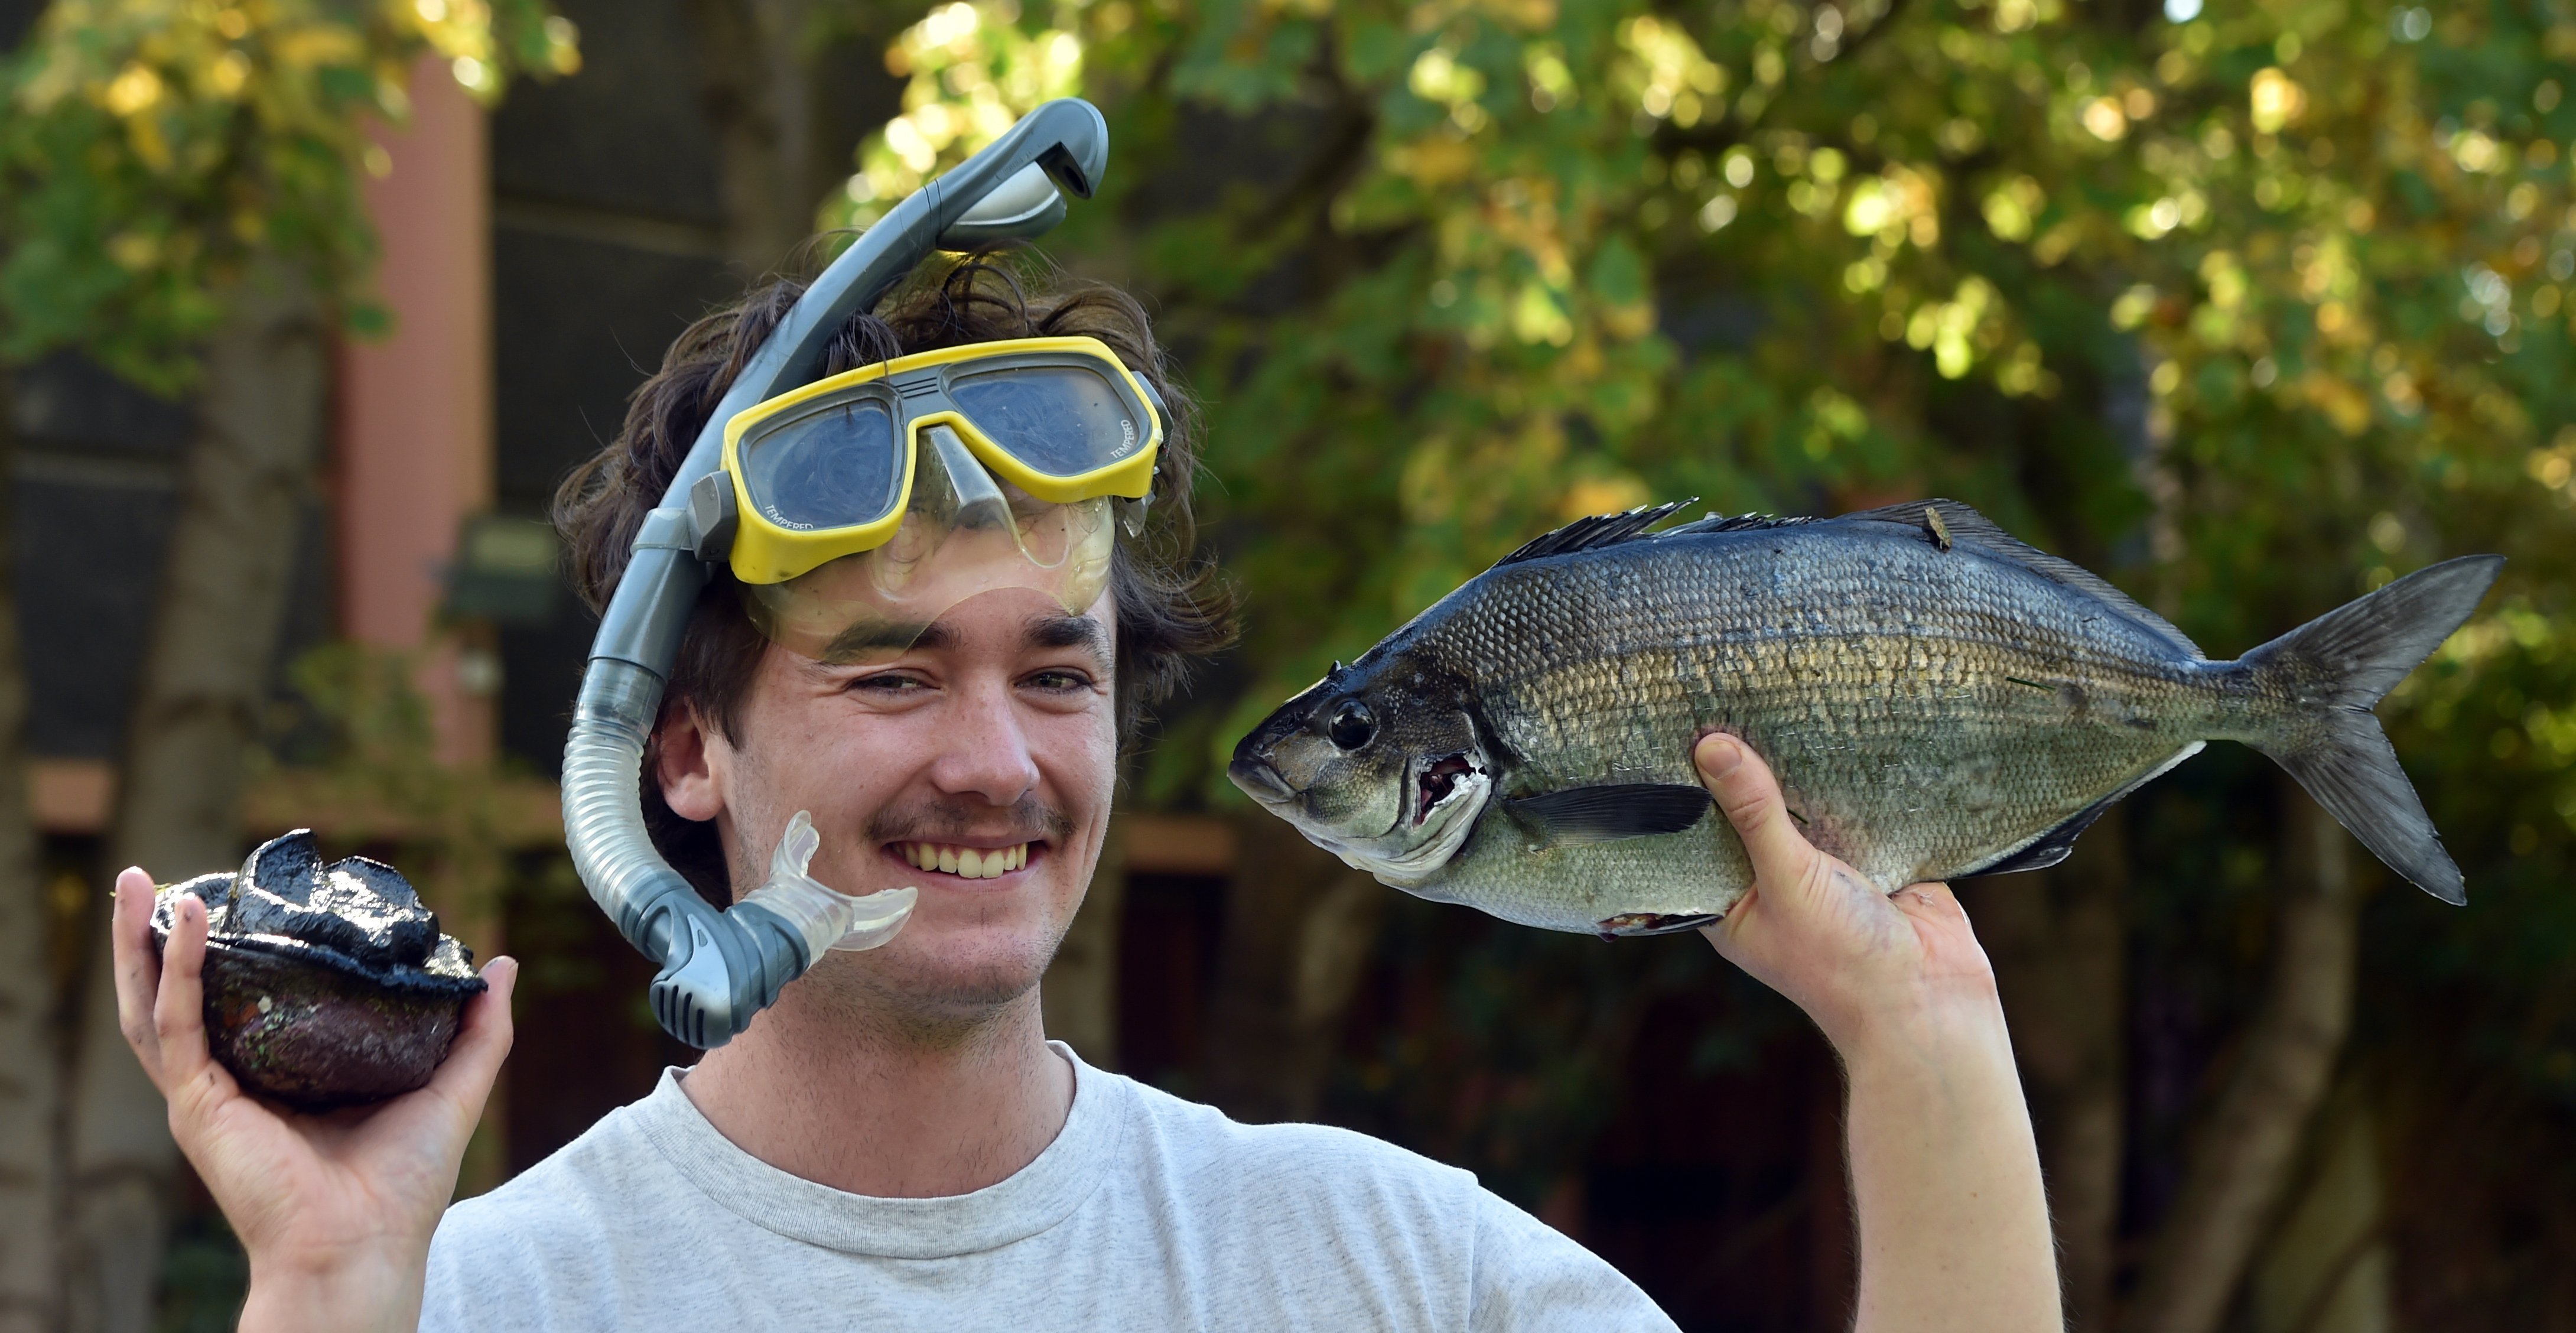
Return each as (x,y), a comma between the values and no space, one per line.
(1719,756)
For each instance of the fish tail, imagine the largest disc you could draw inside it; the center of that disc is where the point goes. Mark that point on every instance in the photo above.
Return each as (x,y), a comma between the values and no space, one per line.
(2340,664)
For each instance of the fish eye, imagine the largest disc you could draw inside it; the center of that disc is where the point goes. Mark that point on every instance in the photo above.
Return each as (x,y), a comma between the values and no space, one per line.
(1353,725)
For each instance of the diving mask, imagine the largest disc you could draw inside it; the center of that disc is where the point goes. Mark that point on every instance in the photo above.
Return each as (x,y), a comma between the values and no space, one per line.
(873,501)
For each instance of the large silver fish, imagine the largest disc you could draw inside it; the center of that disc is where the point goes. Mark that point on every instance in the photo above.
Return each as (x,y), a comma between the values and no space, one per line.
(1937,698)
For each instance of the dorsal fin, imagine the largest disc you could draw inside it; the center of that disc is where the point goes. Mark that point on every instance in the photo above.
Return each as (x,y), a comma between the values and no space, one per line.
(1584,534)
(1736,523)
(1966,527)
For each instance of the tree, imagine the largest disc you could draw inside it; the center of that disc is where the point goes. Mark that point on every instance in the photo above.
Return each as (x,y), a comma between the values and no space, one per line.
(30,1171)
(2251,310)
(180,204)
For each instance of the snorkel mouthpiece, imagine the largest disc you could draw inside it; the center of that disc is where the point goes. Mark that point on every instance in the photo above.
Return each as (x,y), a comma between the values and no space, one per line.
(719,968)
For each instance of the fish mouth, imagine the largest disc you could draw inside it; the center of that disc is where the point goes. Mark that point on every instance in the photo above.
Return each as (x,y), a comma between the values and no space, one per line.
(1257,779)
(1438,782)
(1449,794)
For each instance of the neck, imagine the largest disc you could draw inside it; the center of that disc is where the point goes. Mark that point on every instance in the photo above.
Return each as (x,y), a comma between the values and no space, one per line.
(890,1110)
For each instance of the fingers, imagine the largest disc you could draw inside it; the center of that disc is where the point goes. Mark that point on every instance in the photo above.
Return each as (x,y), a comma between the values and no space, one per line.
(137,970)
(1750,796)
(465,1080)
(179,1009)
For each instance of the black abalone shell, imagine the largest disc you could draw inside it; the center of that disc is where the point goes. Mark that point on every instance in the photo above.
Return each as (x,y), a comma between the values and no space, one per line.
(326,985)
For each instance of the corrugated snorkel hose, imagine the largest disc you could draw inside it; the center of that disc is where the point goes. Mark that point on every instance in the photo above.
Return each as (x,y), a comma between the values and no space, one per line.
(718,968)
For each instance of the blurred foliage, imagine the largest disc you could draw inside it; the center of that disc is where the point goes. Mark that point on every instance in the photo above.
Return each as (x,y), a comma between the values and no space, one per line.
(151,149)
(362,757)
(1498,1046)
(2226,289)
(2253,310)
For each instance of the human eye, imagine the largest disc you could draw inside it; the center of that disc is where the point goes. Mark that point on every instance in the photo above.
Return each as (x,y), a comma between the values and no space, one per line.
(888,684)
(1058,680)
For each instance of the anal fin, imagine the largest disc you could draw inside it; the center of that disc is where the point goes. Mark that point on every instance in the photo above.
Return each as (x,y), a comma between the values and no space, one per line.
(1610,812)
(2054,846)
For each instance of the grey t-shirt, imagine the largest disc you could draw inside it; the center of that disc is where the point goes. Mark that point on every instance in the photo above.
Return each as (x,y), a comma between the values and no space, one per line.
(1147,1212)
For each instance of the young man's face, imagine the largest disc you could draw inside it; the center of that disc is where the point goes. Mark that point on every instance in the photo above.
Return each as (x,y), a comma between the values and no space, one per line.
(993,738)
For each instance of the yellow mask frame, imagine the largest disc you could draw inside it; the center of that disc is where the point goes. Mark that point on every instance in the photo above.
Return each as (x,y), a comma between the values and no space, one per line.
(1112,452)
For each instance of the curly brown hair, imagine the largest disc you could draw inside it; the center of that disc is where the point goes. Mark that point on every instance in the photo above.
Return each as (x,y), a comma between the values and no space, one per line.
(1172,608)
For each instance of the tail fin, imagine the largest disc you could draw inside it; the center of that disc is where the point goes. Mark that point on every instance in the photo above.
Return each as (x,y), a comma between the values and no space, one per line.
(2340,664)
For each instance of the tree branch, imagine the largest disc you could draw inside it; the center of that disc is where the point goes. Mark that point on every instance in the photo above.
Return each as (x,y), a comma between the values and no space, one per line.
(31,1185)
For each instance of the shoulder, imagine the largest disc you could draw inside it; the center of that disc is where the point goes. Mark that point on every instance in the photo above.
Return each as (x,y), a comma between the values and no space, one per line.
(550,1241)
(574,1191)
(1203,1145)
(1405,1231)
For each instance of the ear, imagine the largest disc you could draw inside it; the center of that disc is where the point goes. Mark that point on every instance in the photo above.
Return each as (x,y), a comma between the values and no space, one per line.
(685,763)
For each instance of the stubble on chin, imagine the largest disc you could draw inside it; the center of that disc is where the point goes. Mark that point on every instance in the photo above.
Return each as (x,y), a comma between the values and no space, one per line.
(913,998)
(924,996)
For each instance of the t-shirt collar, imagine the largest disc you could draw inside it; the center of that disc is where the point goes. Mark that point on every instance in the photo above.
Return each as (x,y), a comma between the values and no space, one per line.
(1027,1202)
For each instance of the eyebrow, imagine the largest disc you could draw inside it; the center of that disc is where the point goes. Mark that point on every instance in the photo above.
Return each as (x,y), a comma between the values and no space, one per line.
(1041,631)
(1070,632)
(859,640)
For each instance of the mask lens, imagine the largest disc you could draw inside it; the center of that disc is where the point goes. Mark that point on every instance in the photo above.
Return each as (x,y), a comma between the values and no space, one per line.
(1060,421)
(836,467)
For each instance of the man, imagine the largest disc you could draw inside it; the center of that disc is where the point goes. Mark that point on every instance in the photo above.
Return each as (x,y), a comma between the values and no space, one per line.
(895,1142)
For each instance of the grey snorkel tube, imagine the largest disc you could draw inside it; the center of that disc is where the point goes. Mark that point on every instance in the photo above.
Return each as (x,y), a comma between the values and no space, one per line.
(718,968)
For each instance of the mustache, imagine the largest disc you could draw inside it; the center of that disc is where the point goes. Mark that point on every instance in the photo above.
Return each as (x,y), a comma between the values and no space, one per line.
(1027,820)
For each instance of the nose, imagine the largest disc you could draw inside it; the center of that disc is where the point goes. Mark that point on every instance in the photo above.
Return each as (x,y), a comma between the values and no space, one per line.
(1258,779)
(983,751)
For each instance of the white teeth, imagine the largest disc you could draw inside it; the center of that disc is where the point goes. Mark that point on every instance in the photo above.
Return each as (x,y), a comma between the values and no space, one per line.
(965,862)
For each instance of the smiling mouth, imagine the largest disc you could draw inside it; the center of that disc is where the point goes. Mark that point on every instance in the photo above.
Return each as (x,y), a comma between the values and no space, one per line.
(1436,784)
(964,862)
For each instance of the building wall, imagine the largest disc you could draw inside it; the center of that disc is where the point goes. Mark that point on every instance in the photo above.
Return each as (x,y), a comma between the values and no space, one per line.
(608,240)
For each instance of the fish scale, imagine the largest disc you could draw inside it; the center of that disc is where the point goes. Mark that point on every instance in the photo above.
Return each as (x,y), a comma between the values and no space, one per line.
(1936,698)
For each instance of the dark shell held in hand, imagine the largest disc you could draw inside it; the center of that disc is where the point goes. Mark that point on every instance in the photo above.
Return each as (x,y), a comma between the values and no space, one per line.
(326,985)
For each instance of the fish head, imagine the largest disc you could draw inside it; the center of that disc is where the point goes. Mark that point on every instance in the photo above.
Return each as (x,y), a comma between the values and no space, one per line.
(1378,764)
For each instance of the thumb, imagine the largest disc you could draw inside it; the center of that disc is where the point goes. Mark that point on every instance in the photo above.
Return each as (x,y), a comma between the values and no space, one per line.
(474,1062)
(1744,788)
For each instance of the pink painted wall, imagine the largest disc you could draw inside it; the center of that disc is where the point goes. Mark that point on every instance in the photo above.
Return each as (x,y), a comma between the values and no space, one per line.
(414,448)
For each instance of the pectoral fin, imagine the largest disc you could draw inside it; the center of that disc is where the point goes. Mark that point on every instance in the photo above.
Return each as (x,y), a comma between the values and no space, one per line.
(1609,813)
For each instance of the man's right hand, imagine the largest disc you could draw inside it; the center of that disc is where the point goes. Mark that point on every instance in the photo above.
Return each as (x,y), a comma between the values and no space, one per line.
(1945,1177)
(336,1210)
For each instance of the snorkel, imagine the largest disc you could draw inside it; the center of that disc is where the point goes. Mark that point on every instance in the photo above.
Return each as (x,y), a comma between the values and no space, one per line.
(719,968)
